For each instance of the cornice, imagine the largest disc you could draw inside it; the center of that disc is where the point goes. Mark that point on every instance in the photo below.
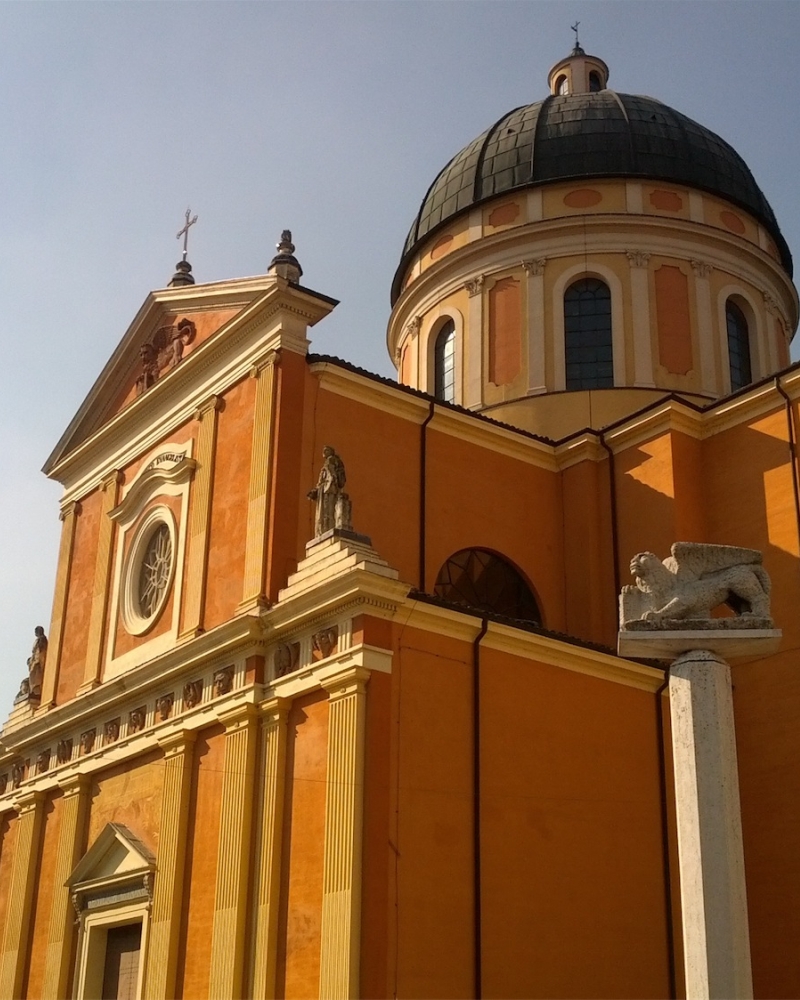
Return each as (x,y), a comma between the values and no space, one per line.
(369,392)
(233,638)
(520,642)
(498,439)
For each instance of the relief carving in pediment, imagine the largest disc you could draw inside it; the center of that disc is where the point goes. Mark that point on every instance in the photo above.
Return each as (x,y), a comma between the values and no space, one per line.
(163,352)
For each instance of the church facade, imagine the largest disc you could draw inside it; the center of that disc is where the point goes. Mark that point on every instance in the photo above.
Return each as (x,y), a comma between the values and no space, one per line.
(329,704)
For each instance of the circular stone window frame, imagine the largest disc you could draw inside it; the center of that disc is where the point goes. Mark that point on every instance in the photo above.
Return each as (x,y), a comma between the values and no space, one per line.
(132,617)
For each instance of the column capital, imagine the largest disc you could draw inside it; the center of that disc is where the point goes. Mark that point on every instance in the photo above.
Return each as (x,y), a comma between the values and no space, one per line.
(534,268)
(269,360)
(274,710)
(237,716)
(475,285)
(349,680)
(111,480)
(74,784)
(72,507)
(701,268)
(177,741)
(210,405)
(412,326)
(637,258)
(28,800)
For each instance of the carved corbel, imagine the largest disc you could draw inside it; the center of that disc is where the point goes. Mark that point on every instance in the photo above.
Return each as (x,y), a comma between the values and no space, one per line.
(475,285)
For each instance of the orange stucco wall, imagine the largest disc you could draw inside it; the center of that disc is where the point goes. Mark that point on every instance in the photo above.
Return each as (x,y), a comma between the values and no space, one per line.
(229,500)
(79,598)
(559,805)
(303,839)
(130,796)
(505,330)
(201,864)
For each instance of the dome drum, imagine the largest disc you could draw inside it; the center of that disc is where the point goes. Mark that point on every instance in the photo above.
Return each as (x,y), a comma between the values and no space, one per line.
(668,281)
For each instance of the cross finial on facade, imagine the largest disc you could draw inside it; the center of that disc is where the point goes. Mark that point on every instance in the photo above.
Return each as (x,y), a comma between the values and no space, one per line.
(185,231)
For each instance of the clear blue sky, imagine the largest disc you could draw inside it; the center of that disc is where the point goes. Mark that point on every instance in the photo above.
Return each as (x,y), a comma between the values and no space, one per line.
(329,118)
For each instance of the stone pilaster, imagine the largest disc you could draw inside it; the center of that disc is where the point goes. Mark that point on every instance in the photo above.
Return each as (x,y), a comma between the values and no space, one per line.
(713,894)
(61,930)
(640,310)
(341,885)
(705,326)
(102,571)
(30,807)
(260,482)
(200,517)
(272,780)
(473,344)
(69,516)
(162,953)
(536,325)
(233,855)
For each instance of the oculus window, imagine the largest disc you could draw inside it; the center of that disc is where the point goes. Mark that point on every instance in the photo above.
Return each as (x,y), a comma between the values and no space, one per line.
(738,346)
(444,363)
(588,347)
(480,579)
(149,570)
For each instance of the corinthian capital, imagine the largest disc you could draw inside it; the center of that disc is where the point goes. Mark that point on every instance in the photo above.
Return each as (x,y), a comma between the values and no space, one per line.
(701,268)
(637,258)
(474,285)
(534,267)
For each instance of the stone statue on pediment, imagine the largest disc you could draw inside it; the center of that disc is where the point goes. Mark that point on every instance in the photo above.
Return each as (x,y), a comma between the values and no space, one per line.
(31,687)
(334,509)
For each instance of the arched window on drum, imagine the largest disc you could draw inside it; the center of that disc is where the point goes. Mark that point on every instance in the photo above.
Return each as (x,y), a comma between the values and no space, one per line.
(738,346)
(444,363)
(477,578)
(588,349)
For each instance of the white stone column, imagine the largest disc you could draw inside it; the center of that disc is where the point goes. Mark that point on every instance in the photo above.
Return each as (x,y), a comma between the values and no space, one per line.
(716,939)
(536,325)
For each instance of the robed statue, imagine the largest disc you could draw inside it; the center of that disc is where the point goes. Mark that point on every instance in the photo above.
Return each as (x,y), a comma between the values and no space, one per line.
(333,504)
(31,687)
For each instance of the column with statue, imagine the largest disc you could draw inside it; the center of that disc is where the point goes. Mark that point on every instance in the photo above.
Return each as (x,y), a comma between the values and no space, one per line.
(667,614)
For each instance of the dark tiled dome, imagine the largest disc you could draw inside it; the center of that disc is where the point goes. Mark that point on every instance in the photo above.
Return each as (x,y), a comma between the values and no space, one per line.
(581,136)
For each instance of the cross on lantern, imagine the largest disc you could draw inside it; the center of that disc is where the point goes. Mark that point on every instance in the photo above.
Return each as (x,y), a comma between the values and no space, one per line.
(185,231)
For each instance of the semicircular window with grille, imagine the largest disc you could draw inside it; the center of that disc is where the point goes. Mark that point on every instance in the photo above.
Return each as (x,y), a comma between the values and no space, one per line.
(480,579)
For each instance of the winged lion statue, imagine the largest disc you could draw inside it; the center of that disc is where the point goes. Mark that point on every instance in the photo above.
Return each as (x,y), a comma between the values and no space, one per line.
(694,580)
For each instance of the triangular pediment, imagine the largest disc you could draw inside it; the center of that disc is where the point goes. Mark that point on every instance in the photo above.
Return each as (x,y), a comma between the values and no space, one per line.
(116,856)
(174,328)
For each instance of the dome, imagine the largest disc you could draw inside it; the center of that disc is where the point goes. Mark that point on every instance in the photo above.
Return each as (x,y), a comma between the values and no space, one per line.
(589,135)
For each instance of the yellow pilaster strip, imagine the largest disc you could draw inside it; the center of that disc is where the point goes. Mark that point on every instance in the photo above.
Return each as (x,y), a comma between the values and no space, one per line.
(62,916)
(233,855)
(260,480)
(272,779)
(200,517)
(162,953)
(341,880)
(20,896)
(69,516)
(102,570)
